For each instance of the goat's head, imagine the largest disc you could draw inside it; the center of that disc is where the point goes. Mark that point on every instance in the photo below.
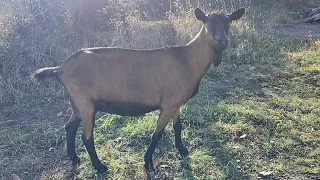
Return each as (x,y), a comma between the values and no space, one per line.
(217,29)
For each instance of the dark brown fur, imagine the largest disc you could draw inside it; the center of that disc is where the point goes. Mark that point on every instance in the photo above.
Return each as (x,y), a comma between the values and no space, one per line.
(133,82)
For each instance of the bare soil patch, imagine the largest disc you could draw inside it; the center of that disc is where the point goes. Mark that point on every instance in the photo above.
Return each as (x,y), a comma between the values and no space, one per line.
(30,139)
(297,30)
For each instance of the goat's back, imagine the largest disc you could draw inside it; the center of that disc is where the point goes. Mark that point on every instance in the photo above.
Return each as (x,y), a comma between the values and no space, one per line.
(149,77)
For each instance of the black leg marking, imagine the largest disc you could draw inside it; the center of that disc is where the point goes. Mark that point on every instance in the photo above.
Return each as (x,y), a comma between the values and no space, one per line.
(177,126)
(148,156)
(96,163)
(71,130)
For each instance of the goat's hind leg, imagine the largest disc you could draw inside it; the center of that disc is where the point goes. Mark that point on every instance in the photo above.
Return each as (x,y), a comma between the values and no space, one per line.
(71,130)
(88,115)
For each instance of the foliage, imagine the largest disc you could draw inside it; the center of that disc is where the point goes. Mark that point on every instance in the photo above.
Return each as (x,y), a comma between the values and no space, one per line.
(258,111)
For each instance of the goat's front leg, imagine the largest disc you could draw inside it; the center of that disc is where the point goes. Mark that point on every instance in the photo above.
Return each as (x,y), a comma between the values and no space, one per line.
(164,118)
(177,126)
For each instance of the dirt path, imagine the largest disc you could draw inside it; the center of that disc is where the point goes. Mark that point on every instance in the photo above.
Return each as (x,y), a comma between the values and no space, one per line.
(297,30)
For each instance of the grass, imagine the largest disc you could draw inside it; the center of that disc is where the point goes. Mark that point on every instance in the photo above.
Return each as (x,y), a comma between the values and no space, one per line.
(259,111)
(256,121)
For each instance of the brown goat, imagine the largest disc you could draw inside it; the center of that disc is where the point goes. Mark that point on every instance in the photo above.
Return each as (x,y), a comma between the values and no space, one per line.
(131,82)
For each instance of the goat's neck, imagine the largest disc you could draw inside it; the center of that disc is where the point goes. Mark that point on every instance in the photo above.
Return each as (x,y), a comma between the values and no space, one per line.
(201,53)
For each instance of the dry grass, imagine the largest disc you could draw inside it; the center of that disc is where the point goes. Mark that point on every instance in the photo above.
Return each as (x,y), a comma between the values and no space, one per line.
(265,89)
(46,36)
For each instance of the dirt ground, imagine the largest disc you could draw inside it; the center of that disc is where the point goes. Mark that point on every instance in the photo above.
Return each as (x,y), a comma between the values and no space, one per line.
(21,127)
(297,30)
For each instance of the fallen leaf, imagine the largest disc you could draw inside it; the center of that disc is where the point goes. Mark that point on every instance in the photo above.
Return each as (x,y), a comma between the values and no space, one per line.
(117,140)
(51,149)
(235,147)
(265,173)
(243,136)
(164,166)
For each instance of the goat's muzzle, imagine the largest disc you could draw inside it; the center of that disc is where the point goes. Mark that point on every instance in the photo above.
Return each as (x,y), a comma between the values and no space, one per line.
(221,45)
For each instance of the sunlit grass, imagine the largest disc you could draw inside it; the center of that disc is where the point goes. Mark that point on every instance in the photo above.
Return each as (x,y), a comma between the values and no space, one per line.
(258,111)
(144,126)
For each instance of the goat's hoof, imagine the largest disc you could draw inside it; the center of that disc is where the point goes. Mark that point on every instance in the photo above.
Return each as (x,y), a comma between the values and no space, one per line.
(75,160)
(101,168)
(183,151)
(151,175)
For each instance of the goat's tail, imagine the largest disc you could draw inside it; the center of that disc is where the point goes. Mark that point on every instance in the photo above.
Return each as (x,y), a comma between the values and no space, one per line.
(44,73)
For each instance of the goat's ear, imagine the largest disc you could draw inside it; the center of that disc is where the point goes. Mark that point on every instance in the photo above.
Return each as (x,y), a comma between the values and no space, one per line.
(237,14)
(200,15)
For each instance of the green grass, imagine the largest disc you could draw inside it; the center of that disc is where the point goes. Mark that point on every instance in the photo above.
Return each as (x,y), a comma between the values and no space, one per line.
(260,119)
(258,111)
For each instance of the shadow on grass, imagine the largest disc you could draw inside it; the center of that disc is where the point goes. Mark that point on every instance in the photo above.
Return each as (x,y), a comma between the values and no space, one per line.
(230,85)
(185,163)
(226,161)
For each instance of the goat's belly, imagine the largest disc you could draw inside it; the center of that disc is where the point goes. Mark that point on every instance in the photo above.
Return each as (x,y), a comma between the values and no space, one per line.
(124,108)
